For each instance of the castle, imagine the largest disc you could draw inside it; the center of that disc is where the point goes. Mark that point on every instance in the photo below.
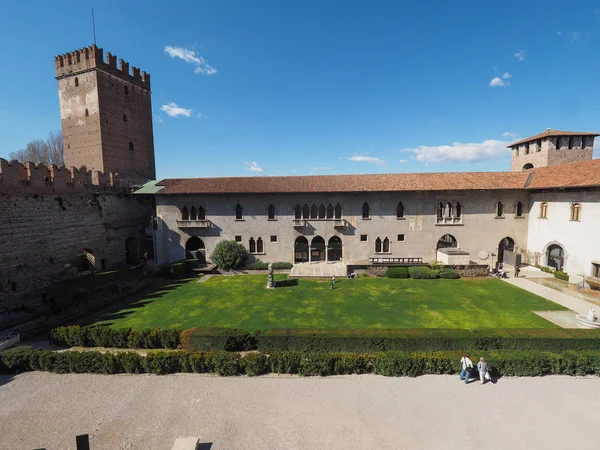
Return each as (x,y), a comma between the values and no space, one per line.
(62,221)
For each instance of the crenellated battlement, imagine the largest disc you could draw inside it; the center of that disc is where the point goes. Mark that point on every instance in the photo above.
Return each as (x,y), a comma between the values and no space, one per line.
(92,57)
(38,178)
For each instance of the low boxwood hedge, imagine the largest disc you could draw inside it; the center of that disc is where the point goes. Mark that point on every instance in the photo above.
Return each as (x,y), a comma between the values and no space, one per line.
(102,336)
(397,272)
(23,359)
(448,273)
(561,275)
(213,339)
(423,273)
(259,265)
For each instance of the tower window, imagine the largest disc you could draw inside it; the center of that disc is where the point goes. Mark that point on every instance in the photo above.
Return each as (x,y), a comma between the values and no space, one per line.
(126,90)
(539,145)
(124,117)
(87,113)
(575,212)
(544,210)
(130,146)
(76,82)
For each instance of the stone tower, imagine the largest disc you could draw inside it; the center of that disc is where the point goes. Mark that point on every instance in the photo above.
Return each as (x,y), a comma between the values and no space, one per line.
(550,148)
(106,115)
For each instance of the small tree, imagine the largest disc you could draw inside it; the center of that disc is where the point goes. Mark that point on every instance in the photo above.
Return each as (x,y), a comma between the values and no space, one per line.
(228,254)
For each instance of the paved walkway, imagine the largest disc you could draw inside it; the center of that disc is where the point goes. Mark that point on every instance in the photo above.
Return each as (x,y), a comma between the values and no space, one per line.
(42,410)
(319,270)
(568,301)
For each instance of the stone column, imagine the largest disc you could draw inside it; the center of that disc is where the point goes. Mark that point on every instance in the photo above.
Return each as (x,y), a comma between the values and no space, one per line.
(309,254)
(326,253)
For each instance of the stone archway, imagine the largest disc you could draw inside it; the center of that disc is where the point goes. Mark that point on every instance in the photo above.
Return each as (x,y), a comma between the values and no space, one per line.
(555,256)
(301,250)
(507,244)
(317,249)
(334,249)
(447,241)
(195,249)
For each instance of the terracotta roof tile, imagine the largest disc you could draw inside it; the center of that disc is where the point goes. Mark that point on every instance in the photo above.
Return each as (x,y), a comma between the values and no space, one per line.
(347,183)
(550,132)
(579,174)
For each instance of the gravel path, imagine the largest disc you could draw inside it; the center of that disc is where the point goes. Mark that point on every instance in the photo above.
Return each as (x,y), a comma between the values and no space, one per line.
(345,412)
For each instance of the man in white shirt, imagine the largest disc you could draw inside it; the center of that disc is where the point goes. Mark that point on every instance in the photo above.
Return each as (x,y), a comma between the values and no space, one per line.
(466,368)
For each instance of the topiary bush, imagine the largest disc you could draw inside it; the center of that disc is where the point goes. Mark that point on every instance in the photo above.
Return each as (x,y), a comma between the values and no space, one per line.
(448,273)
(423,273)
(397,272)
(102,336)
(229,255)
(561,275)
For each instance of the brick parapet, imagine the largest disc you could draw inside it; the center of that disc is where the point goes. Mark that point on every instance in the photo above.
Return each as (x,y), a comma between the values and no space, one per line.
(38,178)
(92,58)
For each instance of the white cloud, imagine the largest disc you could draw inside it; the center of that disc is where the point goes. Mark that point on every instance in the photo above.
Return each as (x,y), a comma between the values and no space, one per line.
(319,169)
(190,56)
(497,81)
(575,37)
(403,160)
(520,55)
(367,159)
(510,134)
(173,110)
(459,152)
(253,167)
(506,75)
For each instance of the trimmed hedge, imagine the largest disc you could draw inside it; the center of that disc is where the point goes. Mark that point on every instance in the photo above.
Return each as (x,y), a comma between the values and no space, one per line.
(22,359)
(259,265)
(449,274)
(561,275)
(102,336)
(397,272)
(423,273)
(376,340)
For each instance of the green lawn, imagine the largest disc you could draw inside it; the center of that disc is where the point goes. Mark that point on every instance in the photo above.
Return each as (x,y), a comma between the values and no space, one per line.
(244,302)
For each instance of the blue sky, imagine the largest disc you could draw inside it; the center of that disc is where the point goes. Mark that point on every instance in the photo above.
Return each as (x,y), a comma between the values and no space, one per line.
(314,87)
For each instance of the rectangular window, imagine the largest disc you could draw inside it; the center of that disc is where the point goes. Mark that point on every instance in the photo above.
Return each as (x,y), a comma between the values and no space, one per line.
(363,238)
(400,238)
(273,238)
(238,239)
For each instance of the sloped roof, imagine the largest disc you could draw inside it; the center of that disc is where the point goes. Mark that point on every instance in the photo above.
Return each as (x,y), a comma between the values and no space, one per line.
(550,132)
(573,175)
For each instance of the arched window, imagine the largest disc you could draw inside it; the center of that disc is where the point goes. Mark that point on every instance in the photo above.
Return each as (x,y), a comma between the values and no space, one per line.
(446,241)
(322,211)
(252,245)
(193,215)
(528,166)
(271,212)
(448,210)
(539,145)
(239,212)
(499,209)
(400,211)
(330,211)
(386,245)
(87,113)
(378,245)
(338,211)
(575,212)
(305,212)
(185,214)
(557,142)
(130,146)
(365,211)
(543,210)
(519,209)
(259,245)
(297,212)
(314,212)
(458,210)
(440,212)
(76,82)
(201,213)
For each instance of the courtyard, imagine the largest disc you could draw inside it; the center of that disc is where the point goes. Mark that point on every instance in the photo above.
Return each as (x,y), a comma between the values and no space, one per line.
(242,301)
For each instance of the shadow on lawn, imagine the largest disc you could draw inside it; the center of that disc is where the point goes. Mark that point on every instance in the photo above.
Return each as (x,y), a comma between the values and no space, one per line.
(286,283)
(125,307)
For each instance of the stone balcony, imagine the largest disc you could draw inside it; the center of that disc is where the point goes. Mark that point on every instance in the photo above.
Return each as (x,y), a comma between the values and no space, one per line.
(193,223)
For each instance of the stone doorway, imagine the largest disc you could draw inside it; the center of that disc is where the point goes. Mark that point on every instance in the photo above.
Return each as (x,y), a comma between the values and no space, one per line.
(301,250)
(195,249)
(334,249)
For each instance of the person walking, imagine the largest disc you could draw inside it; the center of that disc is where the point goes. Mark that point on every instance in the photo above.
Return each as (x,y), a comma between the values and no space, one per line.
(482,368)
(517,270)
(466,368)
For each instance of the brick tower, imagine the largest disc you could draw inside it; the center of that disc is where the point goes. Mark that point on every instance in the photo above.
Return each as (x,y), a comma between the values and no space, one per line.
(106,115)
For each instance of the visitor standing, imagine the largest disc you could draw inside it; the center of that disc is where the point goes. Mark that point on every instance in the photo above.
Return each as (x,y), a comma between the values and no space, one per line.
(482,368)
(331,286)
(517,270)
(466,368)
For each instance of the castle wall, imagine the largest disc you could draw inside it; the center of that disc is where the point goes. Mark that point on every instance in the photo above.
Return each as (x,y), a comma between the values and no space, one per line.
(47,222)
(479,230)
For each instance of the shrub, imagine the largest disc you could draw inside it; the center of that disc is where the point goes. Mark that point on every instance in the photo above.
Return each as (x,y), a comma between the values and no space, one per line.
(229,254)
(225,363)
(282,265)
(284,362)
(253,364)
(561,275)
(449,274)
(256,265)
(422,273)
(397,272)
(102,336)
(376,271)
(213,339)
(545,269)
